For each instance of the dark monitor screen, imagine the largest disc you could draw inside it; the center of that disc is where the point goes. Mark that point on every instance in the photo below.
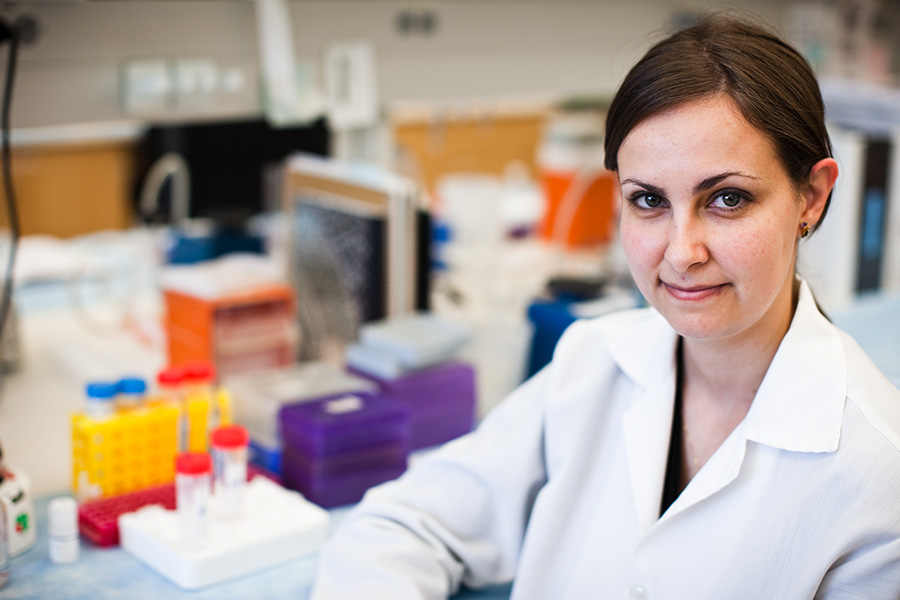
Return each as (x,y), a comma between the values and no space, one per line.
(228,162)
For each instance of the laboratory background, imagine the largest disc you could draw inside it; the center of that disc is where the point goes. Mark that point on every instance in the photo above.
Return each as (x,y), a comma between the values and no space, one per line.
(259,256)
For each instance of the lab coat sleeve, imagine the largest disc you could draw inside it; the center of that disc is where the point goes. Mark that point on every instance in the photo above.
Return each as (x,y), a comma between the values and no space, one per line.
(873,574)
(457,516)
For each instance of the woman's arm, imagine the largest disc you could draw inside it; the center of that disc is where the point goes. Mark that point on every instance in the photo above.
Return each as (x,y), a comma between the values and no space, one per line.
(457,516)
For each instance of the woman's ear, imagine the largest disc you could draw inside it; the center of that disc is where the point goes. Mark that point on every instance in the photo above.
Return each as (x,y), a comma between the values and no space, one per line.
(822,176)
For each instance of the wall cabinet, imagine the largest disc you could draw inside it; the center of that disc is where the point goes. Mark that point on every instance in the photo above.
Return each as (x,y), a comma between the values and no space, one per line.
(71,189)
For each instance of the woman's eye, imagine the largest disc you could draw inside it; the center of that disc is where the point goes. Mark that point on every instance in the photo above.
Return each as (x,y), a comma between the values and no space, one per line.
(728,200)
(648,201)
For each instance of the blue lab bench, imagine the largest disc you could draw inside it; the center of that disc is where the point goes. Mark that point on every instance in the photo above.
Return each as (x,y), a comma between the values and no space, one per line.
(113,573)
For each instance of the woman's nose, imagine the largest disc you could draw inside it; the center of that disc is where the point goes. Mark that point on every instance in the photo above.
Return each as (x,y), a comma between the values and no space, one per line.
(686,246)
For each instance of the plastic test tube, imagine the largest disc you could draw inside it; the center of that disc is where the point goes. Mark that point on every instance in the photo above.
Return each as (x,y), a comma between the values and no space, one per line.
(171,384)
(171,389)
(131,393)
(101,400)
(193,474)
(229,448)
(199,378)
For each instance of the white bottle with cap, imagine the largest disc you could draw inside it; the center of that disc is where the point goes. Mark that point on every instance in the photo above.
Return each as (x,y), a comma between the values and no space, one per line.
(64,545)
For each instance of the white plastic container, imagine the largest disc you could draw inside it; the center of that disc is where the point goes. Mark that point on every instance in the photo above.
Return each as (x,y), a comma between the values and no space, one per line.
(278,525)
(15,494)
(63,518)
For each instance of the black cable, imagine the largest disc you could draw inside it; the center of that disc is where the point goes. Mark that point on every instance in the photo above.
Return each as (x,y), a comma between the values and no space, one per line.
(6,295)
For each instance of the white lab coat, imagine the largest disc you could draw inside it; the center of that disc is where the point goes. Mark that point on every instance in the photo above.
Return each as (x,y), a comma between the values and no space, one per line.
(560,486)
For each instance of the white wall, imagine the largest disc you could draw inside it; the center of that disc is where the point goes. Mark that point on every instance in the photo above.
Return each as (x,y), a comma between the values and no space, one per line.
(480,49)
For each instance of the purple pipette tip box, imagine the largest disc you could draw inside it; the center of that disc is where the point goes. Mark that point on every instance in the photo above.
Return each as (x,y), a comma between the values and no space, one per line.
(441,401)
(337,447)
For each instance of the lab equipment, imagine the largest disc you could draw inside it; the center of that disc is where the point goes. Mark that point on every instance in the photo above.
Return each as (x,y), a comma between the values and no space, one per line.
(229,453)
(171,390)
(392,347)
(131,393)
(172,167)
(198,404)
(63,519)
(170,381)
(337,447)
(15,495)
(125,452)
(278,525)
(230,314)
(101,398)
(193,481)
(191,388)
(206,404)
(357,249)
(577,187)
(200,379)
(193,240)
(258,397)
(98,519)
(440,400)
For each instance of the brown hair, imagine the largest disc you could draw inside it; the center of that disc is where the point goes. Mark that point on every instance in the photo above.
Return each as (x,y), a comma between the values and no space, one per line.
(770,82)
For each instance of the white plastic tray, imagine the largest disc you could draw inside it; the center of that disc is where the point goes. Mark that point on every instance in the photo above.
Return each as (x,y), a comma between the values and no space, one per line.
(277,525)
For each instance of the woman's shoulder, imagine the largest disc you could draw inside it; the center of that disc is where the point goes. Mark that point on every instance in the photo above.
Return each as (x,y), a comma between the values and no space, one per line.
(876,397)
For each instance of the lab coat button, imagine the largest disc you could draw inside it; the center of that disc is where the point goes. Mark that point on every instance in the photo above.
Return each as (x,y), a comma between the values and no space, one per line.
(638,592)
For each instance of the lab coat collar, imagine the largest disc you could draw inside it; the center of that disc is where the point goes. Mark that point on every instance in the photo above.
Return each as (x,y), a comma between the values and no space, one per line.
(642,344)
(800,404)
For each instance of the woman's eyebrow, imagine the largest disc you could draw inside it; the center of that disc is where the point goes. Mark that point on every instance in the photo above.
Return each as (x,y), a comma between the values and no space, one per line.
(711,182)
(646,186)
(705,185)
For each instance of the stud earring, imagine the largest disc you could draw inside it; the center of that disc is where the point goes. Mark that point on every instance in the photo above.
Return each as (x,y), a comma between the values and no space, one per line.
(804,229)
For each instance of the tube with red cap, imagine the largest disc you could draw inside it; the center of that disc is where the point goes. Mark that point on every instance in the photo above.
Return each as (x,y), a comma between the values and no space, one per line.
(229,450)
(193,480)
(171,384)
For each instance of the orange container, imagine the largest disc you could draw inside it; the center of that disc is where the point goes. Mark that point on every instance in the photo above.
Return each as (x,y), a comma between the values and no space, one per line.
(578,190)
(235,332)
(589,220)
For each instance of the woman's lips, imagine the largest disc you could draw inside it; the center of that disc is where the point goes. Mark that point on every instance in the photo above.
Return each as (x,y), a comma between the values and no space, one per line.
(693,293)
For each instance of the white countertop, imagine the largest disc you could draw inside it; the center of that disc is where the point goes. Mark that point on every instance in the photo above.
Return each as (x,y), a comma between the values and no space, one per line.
(79,133)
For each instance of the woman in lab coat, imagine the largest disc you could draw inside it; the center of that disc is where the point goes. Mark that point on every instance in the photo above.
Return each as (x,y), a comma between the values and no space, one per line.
(728,442)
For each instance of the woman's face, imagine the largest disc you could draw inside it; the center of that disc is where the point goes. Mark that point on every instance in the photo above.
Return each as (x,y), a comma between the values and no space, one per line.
(709,221)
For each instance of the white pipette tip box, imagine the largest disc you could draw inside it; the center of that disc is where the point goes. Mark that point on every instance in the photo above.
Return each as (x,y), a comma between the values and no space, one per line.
(277,525)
